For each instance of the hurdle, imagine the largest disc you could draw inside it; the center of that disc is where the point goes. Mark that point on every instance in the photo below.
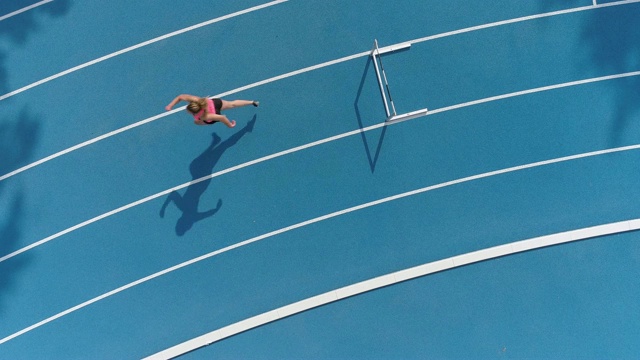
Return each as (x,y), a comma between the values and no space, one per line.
(389,106)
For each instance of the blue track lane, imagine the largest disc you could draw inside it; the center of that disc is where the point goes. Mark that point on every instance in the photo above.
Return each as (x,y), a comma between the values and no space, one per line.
(521,306)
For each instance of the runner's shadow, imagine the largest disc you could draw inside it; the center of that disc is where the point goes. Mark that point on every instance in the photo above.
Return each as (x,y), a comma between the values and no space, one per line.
(201,168)
(373,160)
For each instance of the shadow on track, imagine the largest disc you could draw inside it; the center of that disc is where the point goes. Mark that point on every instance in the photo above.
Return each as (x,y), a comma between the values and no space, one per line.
(18,28)
(19,134)
(373,160)
(611,37)
(200,167)
(10,231)
(18,138)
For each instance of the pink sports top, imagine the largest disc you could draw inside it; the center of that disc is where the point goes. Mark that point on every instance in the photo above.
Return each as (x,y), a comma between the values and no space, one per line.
(210,109)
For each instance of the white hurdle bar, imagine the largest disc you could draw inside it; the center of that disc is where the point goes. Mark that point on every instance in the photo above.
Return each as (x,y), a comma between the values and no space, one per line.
(392,116)
(375,64)
(379,51)
(407,116)
(391,48)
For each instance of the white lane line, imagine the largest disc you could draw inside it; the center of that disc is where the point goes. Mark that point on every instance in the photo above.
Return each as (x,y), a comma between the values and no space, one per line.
(535,90)
(88,142)
(298,72)
(179,187)
(450,33)
(159,116)
(17,12)
(316,220)
(521,19)
(134,47)
(431,112)
(392,279)
(303,147)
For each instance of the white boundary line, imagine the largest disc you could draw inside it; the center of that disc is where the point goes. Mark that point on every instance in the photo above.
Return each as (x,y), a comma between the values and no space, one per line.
(298,72)
(306,146)
(134,47)
(17,12)
(313,221)
(392,279)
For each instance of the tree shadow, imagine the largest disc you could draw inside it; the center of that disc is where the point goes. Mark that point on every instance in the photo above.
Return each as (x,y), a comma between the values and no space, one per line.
(200,167)
(19,134)
(18,139)
(18,28)
(611,37)
(373,160)
(10,232)
(553,5)
(3,73)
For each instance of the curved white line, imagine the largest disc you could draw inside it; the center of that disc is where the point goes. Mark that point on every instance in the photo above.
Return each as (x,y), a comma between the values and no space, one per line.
(633,147)
(134,47)
(303,147)
(159,116)
(17,12)
(392,279)
(525,18)
(432,37)
(536,90)
(300,71)
(316,220)
(179,187)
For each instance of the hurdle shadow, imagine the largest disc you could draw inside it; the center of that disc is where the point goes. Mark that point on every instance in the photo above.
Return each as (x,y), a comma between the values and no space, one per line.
(200,167)
(373,160)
